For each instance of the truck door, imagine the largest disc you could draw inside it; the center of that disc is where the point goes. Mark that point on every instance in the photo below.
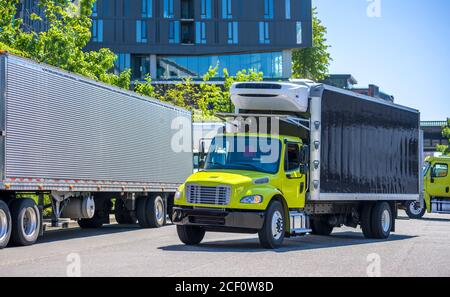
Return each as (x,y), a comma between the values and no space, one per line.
(439,185)
(294,182)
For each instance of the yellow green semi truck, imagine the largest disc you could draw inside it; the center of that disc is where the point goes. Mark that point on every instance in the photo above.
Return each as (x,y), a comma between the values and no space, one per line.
(436,190)
(298,158)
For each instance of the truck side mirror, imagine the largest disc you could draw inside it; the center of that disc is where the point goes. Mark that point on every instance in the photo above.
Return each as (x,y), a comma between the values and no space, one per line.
(202,155)
(304,159)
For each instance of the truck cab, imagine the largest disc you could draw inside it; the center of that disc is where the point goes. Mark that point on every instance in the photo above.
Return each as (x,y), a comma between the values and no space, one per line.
(246,179)
(437,184)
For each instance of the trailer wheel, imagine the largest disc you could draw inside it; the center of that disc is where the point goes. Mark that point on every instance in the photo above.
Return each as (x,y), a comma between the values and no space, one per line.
(26,222)
(103,206)
(381,220)
(413,210)
(5,225)
(366,219)
(190,235)
(151,211)
(122,214)
(321,227)
(271,235)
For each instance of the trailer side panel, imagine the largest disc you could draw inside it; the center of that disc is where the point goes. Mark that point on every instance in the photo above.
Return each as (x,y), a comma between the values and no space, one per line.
(63,126)
(368,147)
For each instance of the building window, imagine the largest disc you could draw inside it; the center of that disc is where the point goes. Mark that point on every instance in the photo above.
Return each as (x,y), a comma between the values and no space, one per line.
(94,10)
(168,9)
(226,9)
(176,67)
(299,33)
(147,10)
(141,31)
(122,62)
(140,67)
(206,9)
(200,31)
(268,9)
(264,37)
(288,9)
(126,8)
(233,33)
(174,32)
(97,30)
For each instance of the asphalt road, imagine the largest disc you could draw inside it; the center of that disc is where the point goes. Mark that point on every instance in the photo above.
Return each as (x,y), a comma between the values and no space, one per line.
(418,248)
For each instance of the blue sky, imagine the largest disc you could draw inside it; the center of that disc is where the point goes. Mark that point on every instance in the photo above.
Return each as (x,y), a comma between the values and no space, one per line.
(405,51)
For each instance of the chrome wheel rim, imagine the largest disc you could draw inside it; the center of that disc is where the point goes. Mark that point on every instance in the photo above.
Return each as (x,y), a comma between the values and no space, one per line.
(159,209)
(3,225)
(386,220)
(277,225)
(414,208)
(29,222)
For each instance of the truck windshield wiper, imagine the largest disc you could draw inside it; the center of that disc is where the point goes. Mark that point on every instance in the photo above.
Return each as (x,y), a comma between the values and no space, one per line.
(250,165)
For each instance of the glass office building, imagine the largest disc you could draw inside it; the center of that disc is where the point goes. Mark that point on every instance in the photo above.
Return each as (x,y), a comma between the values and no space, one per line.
(173,39)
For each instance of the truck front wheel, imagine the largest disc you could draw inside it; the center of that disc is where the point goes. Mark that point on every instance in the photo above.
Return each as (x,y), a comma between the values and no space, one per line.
(271,236)
(5,225)
(190,235)
(26,222)
(413,210)
(320,226)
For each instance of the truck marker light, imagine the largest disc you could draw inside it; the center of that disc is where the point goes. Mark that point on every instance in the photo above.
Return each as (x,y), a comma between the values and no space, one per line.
(254,199)
(71,187)
(261,181)
(8,186)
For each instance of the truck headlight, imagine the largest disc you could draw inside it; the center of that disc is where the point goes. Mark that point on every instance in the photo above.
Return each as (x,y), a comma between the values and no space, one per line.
(178,195)
(253,199)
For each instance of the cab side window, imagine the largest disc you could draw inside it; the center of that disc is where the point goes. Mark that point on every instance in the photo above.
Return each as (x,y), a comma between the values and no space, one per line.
(440,170)
(292,161)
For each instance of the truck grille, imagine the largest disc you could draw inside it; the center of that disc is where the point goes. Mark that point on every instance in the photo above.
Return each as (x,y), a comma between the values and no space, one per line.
(219,195)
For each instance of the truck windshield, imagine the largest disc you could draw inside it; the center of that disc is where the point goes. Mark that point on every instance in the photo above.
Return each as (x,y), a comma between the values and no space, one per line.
(244,153)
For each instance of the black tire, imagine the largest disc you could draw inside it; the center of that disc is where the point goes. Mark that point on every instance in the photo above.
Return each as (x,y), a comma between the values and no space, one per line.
(5,225)
(101,216)
(414,211)
(381,220)
(190,235)
(321,227)
(26,222)
(122,214)
(266,235)
(151,211)
(366,220)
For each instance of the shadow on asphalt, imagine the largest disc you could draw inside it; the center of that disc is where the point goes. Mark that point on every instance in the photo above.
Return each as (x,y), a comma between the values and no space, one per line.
(435,219)
(74,233)
(309,242)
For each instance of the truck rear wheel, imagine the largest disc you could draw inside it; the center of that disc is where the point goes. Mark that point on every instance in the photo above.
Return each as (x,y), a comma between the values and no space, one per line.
(271,235)
(151,211)
(5,225)
(122,214)
(190,235)
(381,220)
(366,219)
(26,222)
(413,210)
(320,226)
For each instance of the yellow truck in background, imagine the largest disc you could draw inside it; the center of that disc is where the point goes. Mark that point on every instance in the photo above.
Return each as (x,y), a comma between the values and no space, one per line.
(436,190)
(298,158)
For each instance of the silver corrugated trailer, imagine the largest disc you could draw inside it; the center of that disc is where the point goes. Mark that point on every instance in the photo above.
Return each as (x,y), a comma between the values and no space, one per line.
(85,143)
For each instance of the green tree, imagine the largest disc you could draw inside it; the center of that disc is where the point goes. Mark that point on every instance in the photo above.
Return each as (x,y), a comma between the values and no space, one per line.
(445,149)
(313,62)
(69,31)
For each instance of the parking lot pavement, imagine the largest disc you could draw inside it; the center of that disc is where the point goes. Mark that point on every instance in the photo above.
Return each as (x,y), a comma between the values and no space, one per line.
(418,248)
